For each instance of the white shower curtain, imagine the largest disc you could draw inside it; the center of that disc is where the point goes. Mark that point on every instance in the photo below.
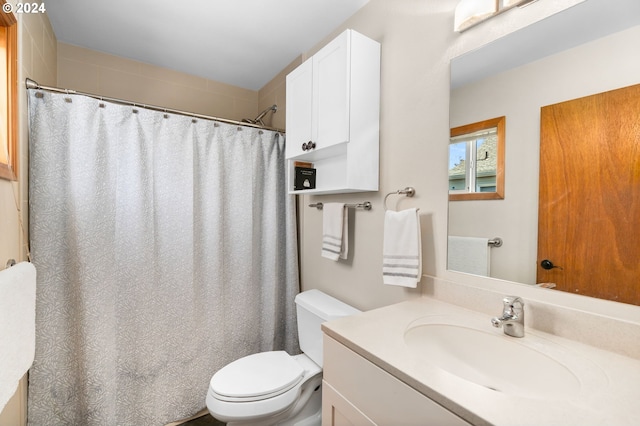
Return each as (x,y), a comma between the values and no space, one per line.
(165,248)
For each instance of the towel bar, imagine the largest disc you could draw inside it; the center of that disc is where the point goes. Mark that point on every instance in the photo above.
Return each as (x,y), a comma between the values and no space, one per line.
(366,205)
(496,242)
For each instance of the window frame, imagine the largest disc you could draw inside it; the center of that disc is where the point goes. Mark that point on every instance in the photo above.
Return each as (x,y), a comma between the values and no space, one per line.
(500,124)
(8,90)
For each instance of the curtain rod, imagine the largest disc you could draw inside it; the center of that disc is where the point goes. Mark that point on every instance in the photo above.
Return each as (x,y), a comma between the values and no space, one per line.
(31,84)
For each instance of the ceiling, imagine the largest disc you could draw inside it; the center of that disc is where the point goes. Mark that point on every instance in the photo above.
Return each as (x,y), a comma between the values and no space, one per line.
(240,42)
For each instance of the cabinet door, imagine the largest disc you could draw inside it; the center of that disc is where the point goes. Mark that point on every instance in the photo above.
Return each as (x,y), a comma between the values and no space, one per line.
(299,104)
(337,411)
(331,76)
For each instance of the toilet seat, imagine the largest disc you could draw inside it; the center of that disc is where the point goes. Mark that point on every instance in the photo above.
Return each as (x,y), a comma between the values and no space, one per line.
(257,377)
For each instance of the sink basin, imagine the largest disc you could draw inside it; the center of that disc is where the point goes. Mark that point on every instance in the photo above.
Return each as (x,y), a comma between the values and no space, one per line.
(490,359)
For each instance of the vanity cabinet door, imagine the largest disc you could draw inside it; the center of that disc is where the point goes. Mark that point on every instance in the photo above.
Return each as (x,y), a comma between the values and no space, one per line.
(358,392)
(337,411)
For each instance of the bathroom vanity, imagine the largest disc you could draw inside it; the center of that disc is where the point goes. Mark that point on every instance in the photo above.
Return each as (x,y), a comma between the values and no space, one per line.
(429,362)
(358,392)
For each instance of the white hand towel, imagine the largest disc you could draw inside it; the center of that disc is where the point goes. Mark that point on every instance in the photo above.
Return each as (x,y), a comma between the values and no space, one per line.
(469,254)
(402,248)
(17,326)
(335,227)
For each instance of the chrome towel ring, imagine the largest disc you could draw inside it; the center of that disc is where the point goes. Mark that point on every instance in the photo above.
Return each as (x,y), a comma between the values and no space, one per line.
(408,191)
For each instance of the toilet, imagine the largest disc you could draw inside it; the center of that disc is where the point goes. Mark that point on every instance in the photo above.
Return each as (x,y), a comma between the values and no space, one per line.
(275,388)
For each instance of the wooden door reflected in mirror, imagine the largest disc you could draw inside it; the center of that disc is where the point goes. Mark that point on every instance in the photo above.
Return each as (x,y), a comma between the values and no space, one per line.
(589,203)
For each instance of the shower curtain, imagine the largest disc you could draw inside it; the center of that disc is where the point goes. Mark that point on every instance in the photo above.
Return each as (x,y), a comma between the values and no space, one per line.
(165,248)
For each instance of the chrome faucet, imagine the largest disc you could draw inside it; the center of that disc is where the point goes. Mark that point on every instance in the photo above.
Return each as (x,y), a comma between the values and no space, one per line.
(512,319)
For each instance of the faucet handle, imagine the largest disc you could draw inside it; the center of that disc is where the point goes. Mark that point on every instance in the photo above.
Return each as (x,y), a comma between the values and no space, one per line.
(511,301)
(512,318)
(513,306)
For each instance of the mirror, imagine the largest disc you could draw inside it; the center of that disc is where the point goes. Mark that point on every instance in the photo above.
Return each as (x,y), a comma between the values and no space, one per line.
(586,49)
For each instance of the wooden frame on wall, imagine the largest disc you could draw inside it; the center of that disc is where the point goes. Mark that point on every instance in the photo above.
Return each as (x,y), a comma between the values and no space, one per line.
(8,95)
(500,124)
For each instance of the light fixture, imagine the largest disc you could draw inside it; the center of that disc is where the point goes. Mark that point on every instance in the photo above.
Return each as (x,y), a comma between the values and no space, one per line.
(470,12)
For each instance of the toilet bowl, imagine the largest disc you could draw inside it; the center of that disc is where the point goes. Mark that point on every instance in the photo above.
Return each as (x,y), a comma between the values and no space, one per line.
(264,388)
(275,388)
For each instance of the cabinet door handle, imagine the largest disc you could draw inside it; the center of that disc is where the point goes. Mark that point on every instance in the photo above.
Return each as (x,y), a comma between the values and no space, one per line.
(308,146)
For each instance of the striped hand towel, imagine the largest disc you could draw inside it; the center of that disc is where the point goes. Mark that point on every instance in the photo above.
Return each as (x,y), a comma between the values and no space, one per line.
(402,248)
(335,240)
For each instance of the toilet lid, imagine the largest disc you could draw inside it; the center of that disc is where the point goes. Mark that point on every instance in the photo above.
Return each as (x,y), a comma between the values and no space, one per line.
(257,376)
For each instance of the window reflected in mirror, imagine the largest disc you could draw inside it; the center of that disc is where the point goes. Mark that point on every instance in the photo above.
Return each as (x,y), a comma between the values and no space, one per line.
(476,161)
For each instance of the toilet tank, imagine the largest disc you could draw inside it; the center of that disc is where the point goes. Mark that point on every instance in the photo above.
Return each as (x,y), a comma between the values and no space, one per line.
(314,307)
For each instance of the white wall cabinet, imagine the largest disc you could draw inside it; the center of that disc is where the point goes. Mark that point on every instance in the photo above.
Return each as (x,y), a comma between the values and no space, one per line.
(333,114)
(357,392)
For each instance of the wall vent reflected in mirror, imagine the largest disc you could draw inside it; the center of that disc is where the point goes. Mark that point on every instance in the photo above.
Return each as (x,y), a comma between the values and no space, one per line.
(476,161)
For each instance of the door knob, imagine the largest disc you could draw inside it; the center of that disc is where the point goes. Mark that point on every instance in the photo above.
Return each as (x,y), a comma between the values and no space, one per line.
(547,264)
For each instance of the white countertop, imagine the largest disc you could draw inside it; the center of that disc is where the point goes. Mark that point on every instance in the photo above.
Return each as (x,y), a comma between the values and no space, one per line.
(610,383)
